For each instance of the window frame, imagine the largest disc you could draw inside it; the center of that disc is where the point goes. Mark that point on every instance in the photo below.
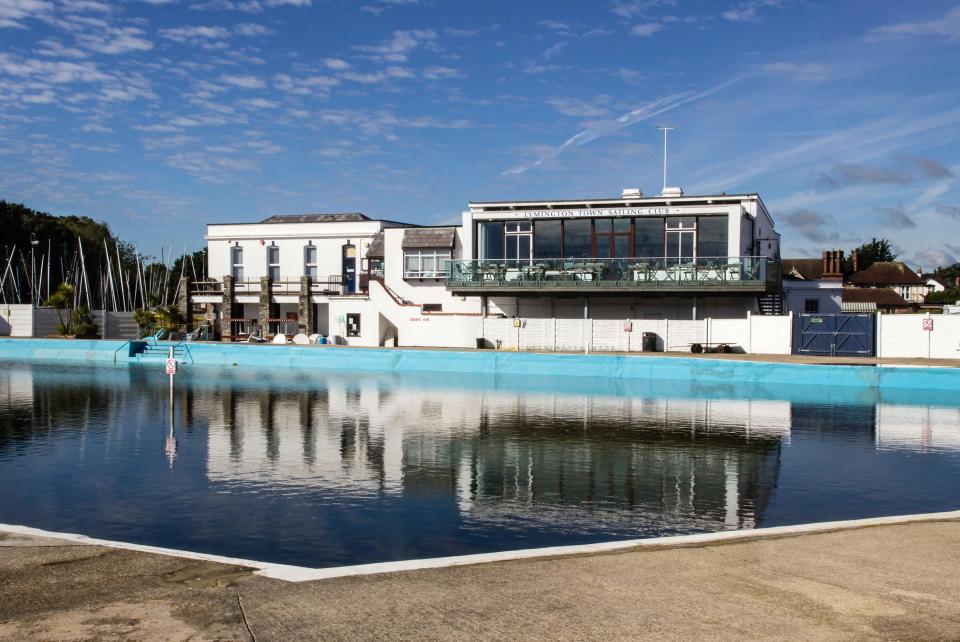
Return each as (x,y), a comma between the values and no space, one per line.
(271,266)
(816,304)
(236,267)
(307,265)
(441,257)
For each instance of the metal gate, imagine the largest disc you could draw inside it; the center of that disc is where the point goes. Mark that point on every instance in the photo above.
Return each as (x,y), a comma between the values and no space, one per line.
(834,335)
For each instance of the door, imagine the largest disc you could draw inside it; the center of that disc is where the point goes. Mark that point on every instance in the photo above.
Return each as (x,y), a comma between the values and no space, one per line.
(834,335)
(349,268)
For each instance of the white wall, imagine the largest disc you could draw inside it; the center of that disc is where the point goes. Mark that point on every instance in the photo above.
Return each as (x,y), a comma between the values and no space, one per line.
(902,335)
(676,308)
(754,334)
(291,238)
(828,293)
(16,320)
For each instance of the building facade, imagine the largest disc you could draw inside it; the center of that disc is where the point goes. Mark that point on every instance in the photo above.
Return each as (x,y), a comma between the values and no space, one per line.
(370,282)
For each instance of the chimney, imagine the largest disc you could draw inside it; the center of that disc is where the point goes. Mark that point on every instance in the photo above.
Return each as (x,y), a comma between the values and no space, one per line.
(825,267)
(856,256)
(833,265)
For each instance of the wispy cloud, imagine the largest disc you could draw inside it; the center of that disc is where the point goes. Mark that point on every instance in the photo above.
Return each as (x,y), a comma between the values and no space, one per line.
(947,26)
(607,127)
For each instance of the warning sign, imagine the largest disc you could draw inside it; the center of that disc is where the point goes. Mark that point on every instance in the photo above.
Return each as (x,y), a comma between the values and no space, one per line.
(171,367)
(928,325)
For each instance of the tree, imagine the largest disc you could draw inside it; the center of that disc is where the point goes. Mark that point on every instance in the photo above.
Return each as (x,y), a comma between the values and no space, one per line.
(62,300)
(877,250)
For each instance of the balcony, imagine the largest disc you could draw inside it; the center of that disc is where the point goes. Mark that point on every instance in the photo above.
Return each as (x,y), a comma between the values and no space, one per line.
(745,274)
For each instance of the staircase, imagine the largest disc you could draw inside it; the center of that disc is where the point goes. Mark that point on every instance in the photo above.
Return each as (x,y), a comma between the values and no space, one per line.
(156,352)
(770,304)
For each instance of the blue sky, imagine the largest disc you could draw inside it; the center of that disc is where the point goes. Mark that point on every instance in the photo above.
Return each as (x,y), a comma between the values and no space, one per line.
(158,116)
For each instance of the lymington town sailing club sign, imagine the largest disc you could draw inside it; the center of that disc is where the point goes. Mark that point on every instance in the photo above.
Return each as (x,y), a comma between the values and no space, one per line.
(583,212)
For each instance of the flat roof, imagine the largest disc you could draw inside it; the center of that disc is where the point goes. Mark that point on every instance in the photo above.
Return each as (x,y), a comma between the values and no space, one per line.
(607,200)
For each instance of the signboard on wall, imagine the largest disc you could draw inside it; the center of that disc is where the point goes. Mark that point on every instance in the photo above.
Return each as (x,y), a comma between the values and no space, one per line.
(582,213)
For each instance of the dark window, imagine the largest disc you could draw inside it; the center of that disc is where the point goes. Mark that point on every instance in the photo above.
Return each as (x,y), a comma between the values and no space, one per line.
(432,307)
(648,237)
(353,324)
(712,236)
(490,240)
(547,239)
(612,237)
(811,306)
(577,239)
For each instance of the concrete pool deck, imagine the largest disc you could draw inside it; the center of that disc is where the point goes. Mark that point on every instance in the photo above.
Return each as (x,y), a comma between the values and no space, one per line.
(877,582)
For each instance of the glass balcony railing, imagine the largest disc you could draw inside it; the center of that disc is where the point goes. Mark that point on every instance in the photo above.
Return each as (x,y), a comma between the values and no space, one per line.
(635,273)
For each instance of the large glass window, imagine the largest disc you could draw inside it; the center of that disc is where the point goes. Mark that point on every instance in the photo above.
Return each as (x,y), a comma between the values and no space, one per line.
(712,236)
(236,263)
(648,237)
(547,239)
(490,240)
(519,240)
(577,239)
(612,237)
(310,261)
(681,237)
(425,263)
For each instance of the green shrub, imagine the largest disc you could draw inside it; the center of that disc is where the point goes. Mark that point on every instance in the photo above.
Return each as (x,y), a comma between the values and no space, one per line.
(83,324)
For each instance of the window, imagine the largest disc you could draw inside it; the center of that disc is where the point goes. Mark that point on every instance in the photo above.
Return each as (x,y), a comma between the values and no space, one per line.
(490,240)
(648,237)
(547,239)
(612,237)
(353,324)
(236,261)
(425,263)
(577,239)
(712,236)
(273,262)
(681,237)
(310,261)
(811,305)
(519,240)
(432,307)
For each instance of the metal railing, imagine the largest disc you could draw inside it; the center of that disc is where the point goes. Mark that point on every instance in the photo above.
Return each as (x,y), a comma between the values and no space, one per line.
(658,272)
(200,288)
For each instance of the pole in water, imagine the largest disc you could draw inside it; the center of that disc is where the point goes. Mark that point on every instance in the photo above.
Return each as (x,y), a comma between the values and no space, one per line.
(170,446)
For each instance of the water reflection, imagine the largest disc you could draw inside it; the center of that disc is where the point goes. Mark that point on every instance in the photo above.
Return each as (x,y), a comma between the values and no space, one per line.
(270,465)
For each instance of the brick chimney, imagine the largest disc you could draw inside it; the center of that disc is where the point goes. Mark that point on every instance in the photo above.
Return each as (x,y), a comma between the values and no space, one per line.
(833,265)
(856,257)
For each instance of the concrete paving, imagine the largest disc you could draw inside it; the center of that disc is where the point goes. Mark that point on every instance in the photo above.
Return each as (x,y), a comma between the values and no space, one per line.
(882,582)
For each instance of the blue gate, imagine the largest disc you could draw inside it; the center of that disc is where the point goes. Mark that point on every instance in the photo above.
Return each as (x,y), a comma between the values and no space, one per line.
(834,335)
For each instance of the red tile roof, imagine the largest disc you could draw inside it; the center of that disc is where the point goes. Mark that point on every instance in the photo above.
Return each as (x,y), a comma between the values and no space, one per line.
(886,273)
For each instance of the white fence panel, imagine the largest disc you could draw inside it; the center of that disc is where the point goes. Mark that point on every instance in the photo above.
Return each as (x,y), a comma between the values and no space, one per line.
(902,335)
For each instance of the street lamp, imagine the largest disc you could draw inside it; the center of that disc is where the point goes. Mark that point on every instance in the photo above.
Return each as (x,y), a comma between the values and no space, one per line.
(33,285)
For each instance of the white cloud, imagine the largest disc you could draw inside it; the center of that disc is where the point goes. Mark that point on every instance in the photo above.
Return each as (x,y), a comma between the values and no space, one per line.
(304,86)
(797,70)
(646,29)
(607,127)
(580,108)
(747,11)
(336,64)
(251,29)
(243,81)
(14,12)
(633,8)
(400,45)
(437,73)
(947,26)
(115,40)
(258,103)
(194,33)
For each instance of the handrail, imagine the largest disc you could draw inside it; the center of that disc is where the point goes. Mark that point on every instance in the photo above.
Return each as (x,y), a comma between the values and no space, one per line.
(125,344)
(399,300)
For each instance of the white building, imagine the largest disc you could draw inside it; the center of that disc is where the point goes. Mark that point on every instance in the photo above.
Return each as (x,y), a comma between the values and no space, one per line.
(814,286)
(375,282)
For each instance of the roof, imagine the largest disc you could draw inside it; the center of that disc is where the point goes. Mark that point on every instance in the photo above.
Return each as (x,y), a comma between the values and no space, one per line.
(881,297)
(375,249)
(414,237)
(806,269)
(886,273)
(344,217)
(858,306)
(654,199)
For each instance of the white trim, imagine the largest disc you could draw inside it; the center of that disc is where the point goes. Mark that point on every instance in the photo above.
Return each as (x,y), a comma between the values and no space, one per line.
(291,573)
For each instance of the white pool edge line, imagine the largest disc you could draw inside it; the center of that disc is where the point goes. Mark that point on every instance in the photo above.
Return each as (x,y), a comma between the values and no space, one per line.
(292,573)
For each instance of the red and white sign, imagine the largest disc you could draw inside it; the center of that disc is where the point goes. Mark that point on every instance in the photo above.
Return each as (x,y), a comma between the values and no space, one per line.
(171,367)
(928,325)
(628,326)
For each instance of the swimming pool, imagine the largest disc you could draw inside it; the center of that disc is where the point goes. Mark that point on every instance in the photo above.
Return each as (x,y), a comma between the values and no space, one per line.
(319,468)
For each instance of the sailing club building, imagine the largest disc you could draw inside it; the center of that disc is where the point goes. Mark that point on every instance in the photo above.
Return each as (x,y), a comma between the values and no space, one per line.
(361,281)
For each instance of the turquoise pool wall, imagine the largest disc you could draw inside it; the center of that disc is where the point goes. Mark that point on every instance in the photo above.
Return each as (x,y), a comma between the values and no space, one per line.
(490,363)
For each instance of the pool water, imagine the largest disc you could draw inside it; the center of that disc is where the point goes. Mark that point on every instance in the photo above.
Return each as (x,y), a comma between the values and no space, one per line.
(324,470)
